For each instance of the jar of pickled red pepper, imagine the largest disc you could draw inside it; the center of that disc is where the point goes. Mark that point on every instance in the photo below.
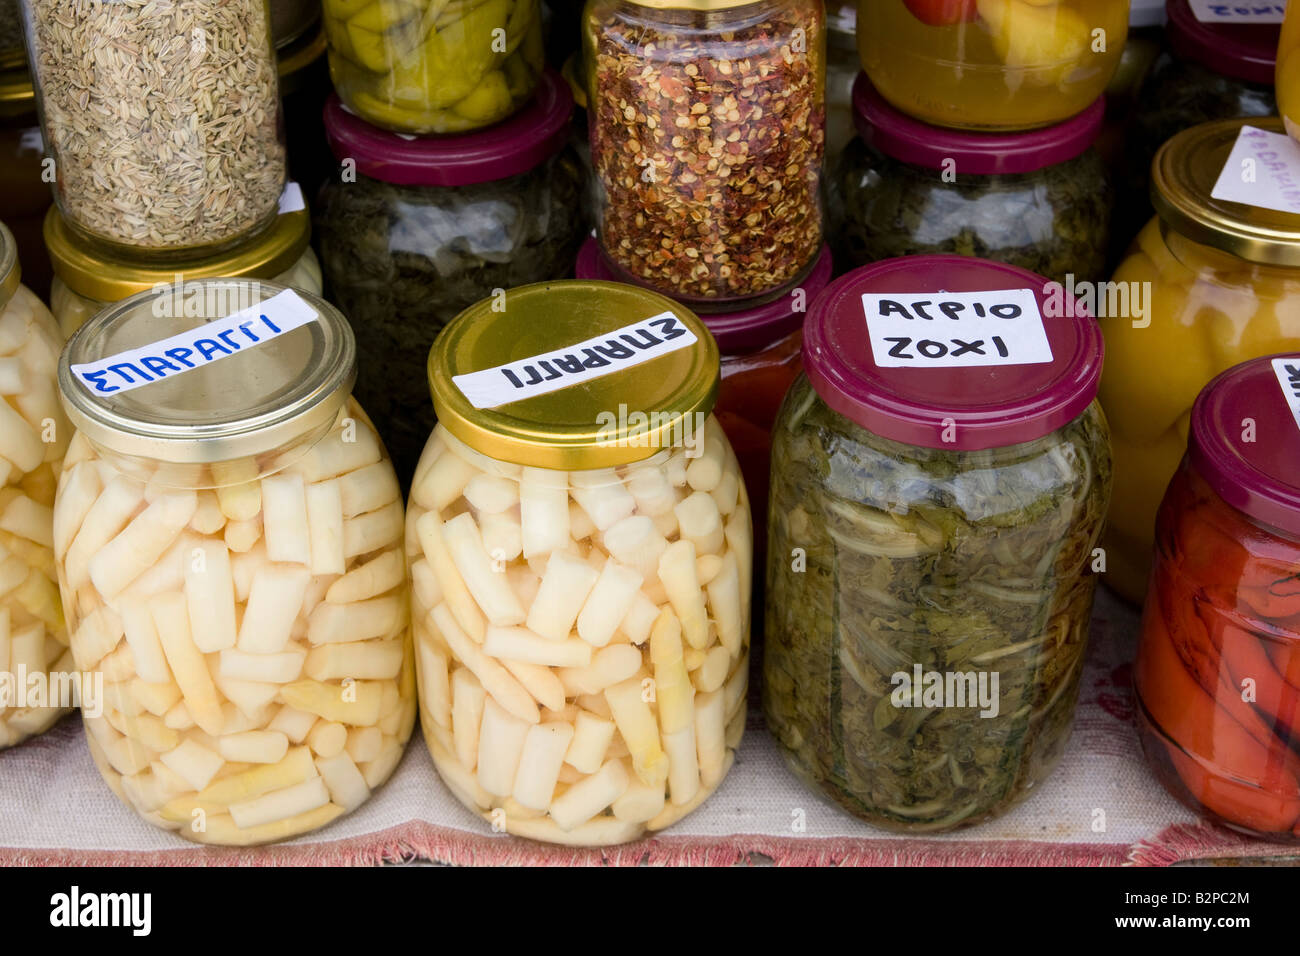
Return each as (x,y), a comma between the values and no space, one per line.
(34,435)
(229,539)
(1040,200)
(434,67)
(707,138)
(1217,678)
(580,553)
(991,64)
(940,474)
(1208,284)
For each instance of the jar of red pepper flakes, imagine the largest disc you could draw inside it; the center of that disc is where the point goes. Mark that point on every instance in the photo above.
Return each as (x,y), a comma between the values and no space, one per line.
(1218,666)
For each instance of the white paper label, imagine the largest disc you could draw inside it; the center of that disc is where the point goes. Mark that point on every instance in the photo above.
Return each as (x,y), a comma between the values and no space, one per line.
(1240,11)
(596,357)
(956,329)
(1287,371)
(199,347)
(291,199)
(1262,170)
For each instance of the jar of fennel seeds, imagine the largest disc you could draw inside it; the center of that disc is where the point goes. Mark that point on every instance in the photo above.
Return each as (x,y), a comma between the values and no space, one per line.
(707,137)
(162,118)
(936,499)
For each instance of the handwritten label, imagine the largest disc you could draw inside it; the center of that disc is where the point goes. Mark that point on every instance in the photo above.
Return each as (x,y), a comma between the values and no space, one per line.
(1262,170)
(291,199)
(1287,371)
(1211,11)
(596,357)
(956,329)
(197,348)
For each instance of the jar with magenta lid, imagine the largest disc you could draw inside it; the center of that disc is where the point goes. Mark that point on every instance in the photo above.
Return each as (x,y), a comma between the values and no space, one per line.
(579,531)
(1040,200)
(229,541)
(1217,678)
(413,231)
(707,138)
(936,500)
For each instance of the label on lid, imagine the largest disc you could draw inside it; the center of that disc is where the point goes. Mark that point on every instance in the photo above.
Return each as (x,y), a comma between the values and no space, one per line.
(560,368)
(1262,170)
(1287,371)
(956,329)
(1241,11)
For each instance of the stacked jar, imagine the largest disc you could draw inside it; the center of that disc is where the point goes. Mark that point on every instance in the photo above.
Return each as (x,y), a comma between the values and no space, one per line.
(580,553)
(24,191)
(414,230)
(304,87)
(707,138)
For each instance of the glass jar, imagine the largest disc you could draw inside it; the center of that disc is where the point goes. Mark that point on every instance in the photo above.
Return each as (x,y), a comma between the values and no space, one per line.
(435,68)
(12,54)
(842,68)
(930,541)
(580,562)
(1287,75)
(1039,200)
(707,137)
(86,279)
(24,195)
(415,231)
(1220,283)
(193,161)
(304,88)
(292,19)
(34,434)
(230,556)
(1217,678)
(991,64)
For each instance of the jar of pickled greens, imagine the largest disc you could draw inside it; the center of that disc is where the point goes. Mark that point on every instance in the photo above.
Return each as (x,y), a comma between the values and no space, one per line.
(1212,282)
(707,137)
(413,231)
(991,64)
(580,553)
(940,474)
(229,538)
(1217,678)
(434,67)
(87,279)
(34,435)
(1040,200)
(24,196)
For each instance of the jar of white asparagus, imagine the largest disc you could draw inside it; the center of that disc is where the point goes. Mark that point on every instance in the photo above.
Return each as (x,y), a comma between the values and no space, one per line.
(228,530)
(580,548)
(34,654)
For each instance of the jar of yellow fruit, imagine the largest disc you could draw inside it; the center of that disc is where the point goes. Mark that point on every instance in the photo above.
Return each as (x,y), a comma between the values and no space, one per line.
(1288,71)
(991,64)
(1219,283)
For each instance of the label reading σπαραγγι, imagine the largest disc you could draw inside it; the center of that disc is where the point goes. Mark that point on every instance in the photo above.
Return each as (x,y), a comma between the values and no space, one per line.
(1287,371)
(1262,170)
(197,348)
(1212,11)
(596,357)
(956,329)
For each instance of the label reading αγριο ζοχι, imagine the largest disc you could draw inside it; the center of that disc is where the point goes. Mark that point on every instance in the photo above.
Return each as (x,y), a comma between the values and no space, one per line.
(1242,11)
(1262,170)
(956,329)
(1287,371)
(199,347)
(596,357)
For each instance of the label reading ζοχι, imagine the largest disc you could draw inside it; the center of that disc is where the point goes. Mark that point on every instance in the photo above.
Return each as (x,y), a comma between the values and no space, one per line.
(956,329)
(1242,11)
(596,357)
(199,347)
(1287,371)
(1262,170)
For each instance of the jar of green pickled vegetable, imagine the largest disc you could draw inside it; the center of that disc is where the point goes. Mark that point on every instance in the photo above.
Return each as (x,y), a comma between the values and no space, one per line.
(434,66)
(1040,200)
(940,474)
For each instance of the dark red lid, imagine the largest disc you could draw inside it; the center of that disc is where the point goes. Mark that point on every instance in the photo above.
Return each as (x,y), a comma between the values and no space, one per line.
(1239,50)
(911,398)
(513,146)
(1259,477)
(908,140)
(743,330)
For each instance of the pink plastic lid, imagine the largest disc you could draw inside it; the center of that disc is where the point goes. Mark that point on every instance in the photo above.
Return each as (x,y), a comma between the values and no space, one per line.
(513,146)
(965,407)
(744,330)
(1239,50)
(1259,477)
(981,154)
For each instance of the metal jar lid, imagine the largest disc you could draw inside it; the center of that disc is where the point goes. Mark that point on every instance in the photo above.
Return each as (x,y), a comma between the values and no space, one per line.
(587,415)
(260,399)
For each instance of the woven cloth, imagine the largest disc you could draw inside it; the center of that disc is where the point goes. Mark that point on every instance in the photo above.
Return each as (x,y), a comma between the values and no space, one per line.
(54,809)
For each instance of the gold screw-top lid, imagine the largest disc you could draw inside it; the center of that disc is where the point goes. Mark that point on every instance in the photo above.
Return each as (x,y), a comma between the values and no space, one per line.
(17,95)
(1183,175)
(574,375)
(10,273)
(108,278)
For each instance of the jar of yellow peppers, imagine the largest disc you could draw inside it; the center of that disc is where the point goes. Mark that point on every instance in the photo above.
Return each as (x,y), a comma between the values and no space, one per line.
(1210,283)
(1288,71)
